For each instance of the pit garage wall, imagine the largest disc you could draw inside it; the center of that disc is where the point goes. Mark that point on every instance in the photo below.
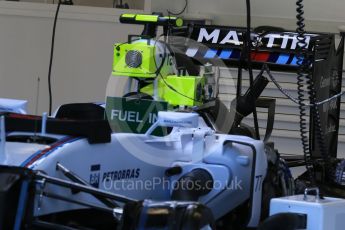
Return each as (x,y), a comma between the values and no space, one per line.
(321,15)
(85,35)
(83,52)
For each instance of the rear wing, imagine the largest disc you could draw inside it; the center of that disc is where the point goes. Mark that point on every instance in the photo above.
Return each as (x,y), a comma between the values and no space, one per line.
(279,50)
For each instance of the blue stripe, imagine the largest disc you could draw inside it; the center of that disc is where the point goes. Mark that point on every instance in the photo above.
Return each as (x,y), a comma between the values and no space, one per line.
(33,156)
(30,158)
(47,153)
(283,59)
(225,54)
(21,205)
(295,60)
(143,217)
(211,53)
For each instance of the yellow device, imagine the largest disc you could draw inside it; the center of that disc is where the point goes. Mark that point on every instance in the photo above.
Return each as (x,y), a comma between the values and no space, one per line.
(134,60)
(182,90)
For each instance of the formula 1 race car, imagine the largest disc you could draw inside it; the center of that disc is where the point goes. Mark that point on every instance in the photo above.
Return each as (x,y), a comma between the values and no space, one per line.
(168,154)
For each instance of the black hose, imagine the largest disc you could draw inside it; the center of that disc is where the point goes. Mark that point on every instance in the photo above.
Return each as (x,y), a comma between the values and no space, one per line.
(250,69)
(51,58)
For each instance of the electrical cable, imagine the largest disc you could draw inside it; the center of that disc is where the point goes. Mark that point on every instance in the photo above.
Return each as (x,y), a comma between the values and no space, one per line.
(248,45)
(158,69)
(303,76)
(314,110)
(51,58)
(289,96)
(159,74)
(176,91)
(181,12)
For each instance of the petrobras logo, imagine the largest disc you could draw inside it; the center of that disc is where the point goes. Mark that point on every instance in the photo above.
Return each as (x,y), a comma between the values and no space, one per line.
(124,174)
(227,36)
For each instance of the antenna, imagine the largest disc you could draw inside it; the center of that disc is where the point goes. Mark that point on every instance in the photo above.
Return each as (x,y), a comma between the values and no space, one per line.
(37,95)
(2,140)
(37,100)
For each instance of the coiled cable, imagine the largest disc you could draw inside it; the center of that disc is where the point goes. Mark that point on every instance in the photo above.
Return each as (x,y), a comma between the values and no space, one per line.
(303,78)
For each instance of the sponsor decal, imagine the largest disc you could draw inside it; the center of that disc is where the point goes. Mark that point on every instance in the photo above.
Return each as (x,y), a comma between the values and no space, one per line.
(180,122)
(123,174)
(95,175)
(132,116)
(230,36)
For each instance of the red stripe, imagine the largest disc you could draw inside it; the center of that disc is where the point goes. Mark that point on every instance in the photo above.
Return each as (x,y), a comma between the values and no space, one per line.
(23,116)
(44,151)
(260,56)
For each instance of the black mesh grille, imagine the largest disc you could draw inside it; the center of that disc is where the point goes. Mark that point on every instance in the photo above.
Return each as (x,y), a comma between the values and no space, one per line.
(134,59)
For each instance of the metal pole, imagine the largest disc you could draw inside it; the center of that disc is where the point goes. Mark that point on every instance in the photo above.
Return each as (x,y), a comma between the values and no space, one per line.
(84,188)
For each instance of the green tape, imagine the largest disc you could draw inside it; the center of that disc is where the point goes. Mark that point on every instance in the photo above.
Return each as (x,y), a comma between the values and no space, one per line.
(146,18)
(127,15)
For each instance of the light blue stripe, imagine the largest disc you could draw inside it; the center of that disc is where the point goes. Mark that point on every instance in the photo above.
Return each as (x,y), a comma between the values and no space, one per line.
(295,60)
(283,59)
(225,54)
(211,53)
